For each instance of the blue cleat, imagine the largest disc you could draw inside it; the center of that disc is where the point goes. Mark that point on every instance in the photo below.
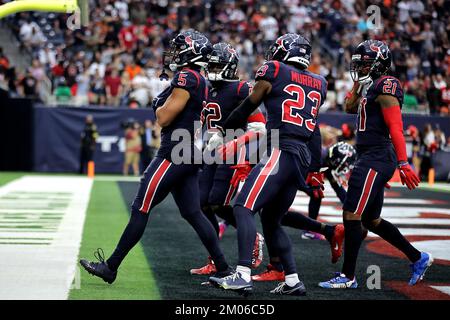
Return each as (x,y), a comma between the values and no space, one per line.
(419,268)
(340,281)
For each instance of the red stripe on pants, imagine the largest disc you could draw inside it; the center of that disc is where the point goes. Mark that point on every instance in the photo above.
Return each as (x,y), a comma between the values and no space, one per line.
(366,192)
(261,180)
(153,185)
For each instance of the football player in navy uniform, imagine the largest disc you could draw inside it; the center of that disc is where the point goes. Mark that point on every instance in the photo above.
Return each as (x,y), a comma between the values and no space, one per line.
(216,191)
(337,166)
(338,163)
(292,97)
(177,108)
(377,98)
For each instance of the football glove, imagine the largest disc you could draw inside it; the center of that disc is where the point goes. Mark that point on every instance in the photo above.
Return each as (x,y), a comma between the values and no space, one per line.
(315,180)
(258,127)
(215,141)
(241,173)
(408,176)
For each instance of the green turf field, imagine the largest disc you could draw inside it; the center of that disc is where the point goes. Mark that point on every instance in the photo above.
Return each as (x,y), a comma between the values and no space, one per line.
(6,177)
(106,218)
(158,267)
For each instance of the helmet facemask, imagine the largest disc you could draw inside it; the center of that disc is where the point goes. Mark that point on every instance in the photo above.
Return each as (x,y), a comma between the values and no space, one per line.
(360,70)
(172,58)
(222,67)
(215,71)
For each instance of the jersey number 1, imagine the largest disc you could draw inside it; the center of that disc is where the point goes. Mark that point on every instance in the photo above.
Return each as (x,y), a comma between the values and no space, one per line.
(362,115)
(299,103)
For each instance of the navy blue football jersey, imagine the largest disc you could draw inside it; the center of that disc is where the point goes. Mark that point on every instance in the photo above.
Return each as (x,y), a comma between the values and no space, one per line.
(371,128)
(223,98)
(195,84)
(293,103)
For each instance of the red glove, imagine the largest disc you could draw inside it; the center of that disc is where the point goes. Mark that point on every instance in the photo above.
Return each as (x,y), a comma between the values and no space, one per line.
(241,173)
(408,176)
(315,179)
(387,185)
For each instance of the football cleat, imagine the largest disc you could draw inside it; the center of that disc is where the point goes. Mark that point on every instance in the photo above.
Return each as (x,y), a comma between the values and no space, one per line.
(233,282)
(208,269)
(225,273)
(99,269)
(419,268)
(270,274)
(307,235)
(222,228)
(258,251)
(336,242)
(283,289)
(340,281)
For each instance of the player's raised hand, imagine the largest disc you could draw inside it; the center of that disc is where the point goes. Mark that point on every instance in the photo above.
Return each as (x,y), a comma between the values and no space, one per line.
(315,180)
(215,141)
(408,176)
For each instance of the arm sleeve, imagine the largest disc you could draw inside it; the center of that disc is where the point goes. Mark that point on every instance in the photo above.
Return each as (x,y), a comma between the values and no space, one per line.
(315,146)
(392,115)
(393,119)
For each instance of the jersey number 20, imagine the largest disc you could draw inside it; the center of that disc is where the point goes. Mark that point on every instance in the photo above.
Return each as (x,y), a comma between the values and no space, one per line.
(299,103)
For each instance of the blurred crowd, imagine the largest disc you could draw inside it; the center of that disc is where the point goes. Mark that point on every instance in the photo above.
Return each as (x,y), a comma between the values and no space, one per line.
(116,59)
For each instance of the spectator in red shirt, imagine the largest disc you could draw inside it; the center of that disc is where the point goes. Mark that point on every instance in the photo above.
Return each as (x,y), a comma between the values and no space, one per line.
(113,84)
(127,37)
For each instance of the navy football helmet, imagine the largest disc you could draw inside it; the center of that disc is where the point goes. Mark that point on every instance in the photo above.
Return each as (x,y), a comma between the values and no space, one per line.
(341,158)
(223,63)
(187,48)
(291,48)
(371,59)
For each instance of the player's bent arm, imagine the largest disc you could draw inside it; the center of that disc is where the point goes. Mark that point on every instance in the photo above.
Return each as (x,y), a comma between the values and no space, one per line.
(256,122)
(392,115)
(315,147)
(393,118)
(352,98)
(174,104)
(239,116)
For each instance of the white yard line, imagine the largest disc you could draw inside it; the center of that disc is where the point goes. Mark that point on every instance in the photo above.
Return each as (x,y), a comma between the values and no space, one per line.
(39,262)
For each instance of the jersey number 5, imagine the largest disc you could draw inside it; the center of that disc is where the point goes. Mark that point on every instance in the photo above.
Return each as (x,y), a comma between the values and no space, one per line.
(299,103)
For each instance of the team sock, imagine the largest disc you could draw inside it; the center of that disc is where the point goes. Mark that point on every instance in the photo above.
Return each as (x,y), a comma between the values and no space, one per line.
(353,240)
(209,238)
(291,279)
(299,221)
(209,213)
(276,265)
(391,234)
(226,213)
(246,234)
(245,272)
(130,236)
(314,207)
